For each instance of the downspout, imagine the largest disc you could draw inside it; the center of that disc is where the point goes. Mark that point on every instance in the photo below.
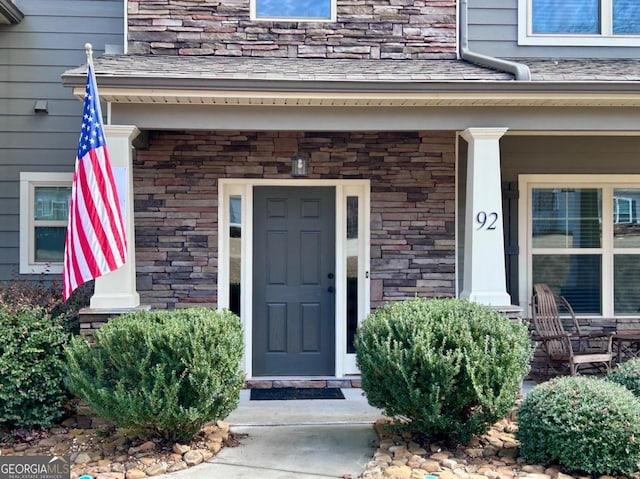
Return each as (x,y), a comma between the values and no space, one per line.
(125,19)
(520,71)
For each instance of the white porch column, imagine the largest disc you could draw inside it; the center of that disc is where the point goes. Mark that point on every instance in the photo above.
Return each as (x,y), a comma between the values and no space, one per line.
(117,290)
(484,267)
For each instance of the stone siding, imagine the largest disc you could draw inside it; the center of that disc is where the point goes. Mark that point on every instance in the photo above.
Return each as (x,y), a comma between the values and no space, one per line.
(377,29)
(412,205)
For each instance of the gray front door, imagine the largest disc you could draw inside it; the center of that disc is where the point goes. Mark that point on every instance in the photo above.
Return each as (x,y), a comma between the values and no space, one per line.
(293,281)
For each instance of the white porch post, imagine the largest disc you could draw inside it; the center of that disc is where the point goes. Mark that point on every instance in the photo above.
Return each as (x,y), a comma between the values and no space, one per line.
(117,290)
(484,267)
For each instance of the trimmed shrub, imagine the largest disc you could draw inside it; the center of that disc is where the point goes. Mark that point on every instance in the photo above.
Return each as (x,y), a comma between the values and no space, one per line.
(627,374)
(585,424)
(163,373)
(32,391)
(447,368)
(46,294)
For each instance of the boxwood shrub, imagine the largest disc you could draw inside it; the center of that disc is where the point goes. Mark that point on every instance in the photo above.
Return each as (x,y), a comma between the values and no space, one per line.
(163,373)
(32,391)
(627,374)
(585,424)
(447,368)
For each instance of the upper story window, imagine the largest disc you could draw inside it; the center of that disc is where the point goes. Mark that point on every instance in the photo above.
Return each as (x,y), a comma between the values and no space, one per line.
(579,22)
(298,10)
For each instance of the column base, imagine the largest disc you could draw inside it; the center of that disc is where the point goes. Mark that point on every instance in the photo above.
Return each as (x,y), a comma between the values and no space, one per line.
(512,311)
(107,301)
(91,319)
(488,298)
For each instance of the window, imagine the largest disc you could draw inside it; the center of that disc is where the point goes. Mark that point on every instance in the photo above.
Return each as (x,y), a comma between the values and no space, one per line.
(583,239)
(301,10)
(44,209)
(235,252)
(579,22)
(566,239)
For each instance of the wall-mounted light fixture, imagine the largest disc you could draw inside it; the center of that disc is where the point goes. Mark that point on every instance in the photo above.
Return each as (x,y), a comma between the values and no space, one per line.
(41,106)
(299,165)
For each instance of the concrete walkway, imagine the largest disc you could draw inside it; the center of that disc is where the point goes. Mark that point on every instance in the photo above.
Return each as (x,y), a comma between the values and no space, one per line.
(304,439)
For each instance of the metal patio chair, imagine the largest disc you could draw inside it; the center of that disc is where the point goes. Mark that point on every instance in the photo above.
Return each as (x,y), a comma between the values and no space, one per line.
(562,348)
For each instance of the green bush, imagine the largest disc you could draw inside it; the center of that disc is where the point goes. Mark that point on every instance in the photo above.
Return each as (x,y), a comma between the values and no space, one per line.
(585,424)
(446,368)
(627,374)
(163,373)
(32,390)
(46,294)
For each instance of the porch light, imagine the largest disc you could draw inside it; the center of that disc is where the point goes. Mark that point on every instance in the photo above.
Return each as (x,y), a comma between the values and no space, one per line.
(299,165)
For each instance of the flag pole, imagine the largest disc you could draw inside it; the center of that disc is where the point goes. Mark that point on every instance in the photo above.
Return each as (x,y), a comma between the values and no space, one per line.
(88,48)
(95,242)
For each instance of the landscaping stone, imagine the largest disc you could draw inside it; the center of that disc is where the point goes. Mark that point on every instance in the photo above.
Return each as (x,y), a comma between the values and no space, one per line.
(397,456)
(117,453)
(135,474)
(177,466)
(495,455)
(157,469)
(192,458)
(180,448)
(82,458)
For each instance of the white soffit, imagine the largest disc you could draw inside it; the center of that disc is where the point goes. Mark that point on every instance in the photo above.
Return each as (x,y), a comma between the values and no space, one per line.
(347,99)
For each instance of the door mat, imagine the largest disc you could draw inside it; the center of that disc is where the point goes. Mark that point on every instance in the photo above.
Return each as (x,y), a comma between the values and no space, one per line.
(283,394)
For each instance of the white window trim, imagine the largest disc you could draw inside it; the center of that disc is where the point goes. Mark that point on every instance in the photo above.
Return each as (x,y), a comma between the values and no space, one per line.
(333,15)
(28,182)
(345,364)
(604,39)
(605,182)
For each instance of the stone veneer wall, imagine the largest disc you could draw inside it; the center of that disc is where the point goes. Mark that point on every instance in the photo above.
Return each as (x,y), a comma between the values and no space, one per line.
(412,205)
(376,29)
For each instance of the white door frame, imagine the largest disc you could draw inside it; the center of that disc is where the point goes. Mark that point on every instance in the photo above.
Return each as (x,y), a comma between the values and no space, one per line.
(345,364)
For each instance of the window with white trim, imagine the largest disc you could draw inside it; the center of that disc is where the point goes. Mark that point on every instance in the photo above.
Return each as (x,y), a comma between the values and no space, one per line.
(296,10)
(583,240)
(44,210)
(579,22)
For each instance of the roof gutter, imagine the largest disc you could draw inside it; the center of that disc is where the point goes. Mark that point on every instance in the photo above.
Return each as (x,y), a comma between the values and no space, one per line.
(10,13)
(520,71)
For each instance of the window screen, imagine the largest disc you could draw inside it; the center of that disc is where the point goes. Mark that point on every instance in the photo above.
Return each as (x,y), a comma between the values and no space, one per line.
(626,17)
(311,9)
(566,16)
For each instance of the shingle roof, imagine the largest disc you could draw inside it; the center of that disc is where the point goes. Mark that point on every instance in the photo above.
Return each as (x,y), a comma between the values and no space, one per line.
(300,69)
(345,70)
(619,70)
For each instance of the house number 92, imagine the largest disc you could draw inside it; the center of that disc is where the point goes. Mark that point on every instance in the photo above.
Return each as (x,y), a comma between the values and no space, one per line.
(486,221)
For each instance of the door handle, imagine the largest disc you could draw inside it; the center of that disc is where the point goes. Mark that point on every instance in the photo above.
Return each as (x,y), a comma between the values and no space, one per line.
(331,289)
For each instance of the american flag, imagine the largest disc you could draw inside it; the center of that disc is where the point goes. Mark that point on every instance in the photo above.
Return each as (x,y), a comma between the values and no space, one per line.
(95,243)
